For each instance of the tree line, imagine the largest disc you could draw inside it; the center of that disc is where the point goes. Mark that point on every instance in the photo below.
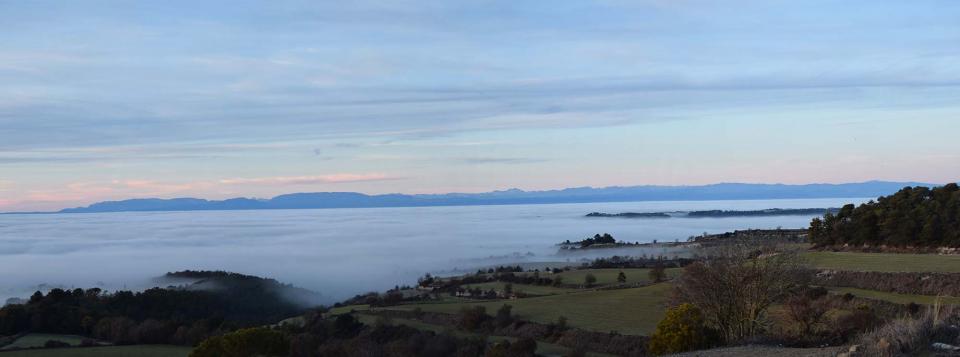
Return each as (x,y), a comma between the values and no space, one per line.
(912,217)
(182,315)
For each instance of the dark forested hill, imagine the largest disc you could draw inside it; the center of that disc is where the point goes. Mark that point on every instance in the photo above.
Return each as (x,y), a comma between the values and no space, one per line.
(205,303)
(914,216)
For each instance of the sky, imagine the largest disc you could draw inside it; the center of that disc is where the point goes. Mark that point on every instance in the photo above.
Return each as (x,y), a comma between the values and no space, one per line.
(105,100)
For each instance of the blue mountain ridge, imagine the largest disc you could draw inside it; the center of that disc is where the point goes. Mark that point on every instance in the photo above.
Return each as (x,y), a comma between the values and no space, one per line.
(721,191)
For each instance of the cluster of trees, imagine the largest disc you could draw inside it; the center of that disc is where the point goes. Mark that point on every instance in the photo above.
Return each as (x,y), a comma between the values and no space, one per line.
(501,269)
(454,285)
(724,299)
(345,336)
(642,262)
(606,238)
(476,319)
(914,217)
(175,315)
(734,290)
(477,293)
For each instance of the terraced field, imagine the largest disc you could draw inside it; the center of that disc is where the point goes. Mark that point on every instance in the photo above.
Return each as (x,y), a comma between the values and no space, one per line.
(108,351)
(885,262)
(543,348)
(38,339)
(609,276)
(628,311)
(528,289)
(897,298)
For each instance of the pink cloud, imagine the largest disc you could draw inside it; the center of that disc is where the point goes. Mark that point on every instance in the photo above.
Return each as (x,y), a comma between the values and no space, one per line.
(161,187)
(78,193)
(306,180)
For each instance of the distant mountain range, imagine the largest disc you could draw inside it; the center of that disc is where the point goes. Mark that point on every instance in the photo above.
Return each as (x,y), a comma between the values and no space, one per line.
(722,191)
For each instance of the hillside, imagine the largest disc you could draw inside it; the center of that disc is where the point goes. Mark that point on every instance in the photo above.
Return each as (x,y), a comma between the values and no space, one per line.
(912,217)
(196,305)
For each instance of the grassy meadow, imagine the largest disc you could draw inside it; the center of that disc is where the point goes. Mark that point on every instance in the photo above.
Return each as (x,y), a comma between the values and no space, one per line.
(628,311)
(543,348)
(38,339)
(106,351)
(884,262)
(897,298)
(527,289)
(609,276)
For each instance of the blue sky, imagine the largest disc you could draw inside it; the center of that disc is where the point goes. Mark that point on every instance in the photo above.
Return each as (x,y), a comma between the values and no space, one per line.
(118,99)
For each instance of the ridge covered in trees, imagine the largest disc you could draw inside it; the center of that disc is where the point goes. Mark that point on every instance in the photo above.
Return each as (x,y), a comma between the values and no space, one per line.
(912,217)
(183,315)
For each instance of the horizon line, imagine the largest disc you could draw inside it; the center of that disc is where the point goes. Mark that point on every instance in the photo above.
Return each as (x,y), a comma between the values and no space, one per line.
(252,198)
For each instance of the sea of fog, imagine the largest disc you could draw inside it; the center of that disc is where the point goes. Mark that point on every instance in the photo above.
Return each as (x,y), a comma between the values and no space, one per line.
(337,252)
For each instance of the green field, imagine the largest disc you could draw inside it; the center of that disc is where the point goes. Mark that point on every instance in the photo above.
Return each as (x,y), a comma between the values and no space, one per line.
(108,351)
(38,339)
(346,309)
(609,276)
(884,262)
(528,289)
(628,311)
(895,297)
(543,348)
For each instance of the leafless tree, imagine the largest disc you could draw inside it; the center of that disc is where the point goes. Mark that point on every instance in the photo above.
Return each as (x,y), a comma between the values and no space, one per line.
(735,287)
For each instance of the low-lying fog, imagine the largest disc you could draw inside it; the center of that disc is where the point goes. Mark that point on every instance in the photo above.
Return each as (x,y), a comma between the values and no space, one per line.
(337,252)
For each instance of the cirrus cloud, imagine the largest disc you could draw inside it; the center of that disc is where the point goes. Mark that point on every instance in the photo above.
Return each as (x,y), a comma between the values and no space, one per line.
(307,180)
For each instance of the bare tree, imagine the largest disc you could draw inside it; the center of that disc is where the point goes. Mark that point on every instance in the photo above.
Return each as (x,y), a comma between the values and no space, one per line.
(658,273)
(806,312)
(735,287)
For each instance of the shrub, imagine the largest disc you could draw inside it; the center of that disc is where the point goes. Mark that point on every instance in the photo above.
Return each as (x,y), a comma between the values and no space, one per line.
(863,318)
(259,341)
(807,313)
(55,344)
(504,318)
(658,273)
(589,280)
(682,329)
(522,348)
(473,318)
(910,336)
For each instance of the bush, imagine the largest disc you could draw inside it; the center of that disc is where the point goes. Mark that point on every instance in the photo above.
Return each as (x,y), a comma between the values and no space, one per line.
(504,317)
(55,344)
(909,335)
(522,348)
(259,341)
(807,313)
(589,280)
(473,318)
(682,329)
(863,318)
(658,273)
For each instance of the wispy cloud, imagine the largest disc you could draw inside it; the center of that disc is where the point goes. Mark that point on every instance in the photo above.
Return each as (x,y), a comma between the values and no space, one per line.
(212,96)
(500,160)
(85,192)
(307,180)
